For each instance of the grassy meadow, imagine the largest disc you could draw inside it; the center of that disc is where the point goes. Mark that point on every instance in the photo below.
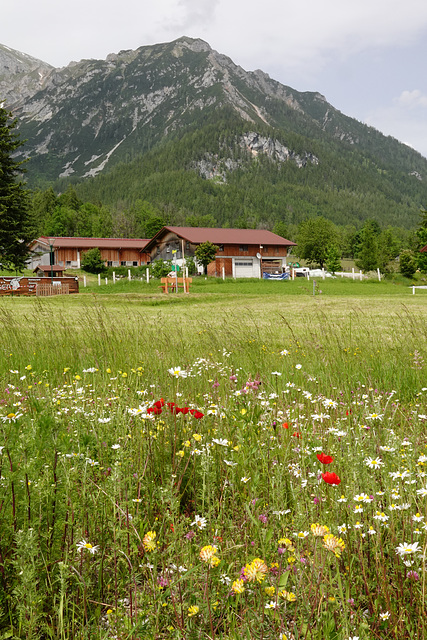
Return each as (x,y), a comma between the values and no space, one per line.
(246,461)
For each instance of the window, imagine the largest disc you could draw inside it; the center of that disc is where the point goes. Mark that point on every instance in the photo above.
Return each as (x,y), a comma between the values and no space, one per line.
(109,263)
(187,246)
(168,249)
(221,247)
(134,263)
(243,247)
(68,263)
(123,263)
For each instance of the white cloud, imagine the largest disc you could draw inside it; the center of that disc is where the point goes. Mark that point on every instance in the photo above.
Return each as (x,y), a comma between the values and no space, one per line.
(394,120)
(411,99)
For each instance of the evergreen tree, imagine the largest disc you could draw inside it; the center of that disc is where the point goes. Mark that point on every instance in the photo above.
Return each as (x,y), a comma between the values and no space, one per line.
(368,259)
(17,228)
(333,256)
(408,264)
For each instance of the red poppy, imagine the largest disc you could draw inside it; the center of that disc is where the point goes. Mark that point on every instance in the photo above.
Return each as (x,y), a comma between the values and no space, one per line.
(296,434)
(156,410)
(160,403)
(331,478)
(184,410)
(285,425)
(171,406)
(324,459)
(196,414)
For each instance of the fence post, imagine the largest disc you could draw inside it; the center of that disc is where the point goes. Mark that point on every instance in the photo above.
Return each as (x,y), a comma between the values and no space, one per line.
(129,276)
(84,281)
(360,274)
(147,273)
(413,291)
(352,270)
(99,279)
(114,277)
(223,273)
(106,280)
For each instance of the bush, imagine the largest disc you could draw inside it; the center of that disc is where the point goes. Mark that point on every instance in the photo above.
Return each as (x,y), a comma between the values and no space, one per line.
(160,268)
(191,266)
(92,261)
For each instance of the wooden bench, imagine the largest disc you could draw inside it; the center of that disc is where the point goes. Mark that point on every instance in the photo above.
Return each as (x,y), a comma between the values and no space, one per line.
(170,283)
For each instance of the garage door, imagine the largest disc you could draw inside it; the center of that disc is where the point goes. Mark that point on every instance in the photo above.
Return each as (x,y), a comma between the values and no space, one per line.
(244,268)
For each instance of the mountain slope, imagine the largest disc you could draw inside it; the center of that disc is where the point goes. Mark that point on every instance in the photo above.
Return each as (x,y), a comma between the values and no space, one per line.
(180,113)
(21,76)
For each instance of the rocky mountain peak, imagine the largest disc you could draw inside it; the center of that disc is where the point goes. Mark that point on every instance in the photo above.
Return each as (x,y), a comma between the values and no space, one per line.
(21,75)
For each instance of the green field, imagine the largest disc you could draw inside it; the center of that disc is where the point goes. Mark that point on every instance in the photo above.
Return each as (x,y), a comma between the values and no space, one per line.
(122,516)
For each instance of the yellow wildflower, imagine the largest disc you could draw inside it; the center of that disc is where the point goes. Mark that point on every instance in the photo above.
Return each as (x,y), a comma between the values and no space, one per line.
(149,541)
(238,586)
(336,545)
(319,530)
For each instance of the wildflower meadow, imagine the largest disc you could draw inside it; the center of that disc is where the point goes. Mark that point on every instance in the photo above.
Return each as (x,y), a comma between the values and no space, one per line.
(255,468)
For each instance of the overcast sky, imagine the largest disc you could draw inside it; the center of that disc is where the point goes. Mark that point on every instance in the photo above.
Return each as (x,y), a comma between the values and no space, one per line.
(367,57)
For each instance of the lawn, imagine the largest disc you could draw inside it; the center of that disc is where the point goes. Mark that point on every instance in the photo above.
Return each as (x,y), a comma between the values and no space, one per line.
(246,461)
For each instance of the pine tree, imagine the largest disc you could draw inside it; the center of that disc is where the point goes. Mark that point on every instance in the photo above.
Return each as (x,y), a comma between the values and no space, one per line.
(16,223)
(333,262)
(367,257)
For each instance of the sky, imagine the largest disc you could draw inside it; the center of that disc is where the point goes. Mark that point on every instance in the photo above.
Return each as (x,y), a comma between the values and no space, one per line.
(367,57)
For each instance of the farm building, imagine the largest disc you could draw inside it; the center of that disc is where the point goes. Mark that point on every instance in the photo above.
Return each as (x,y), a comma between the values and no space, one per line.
(68,252)
(46,271)
(242,253)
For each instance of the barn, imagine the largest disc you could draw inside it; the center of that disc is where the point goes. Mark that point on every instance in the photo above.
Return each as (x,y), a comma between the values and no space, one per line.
(242,253)
(68,252)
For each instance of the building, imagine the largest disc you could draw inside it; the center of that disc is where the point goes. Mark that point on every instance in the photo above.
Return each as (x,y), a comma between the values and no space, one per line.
(46,271)
(68,252)
(242,253)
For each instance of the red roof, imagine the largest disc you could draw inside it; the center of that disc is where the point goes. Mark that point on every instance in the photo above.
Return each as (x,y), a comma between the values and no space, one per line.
(90,243)
(47,268)
(197,235)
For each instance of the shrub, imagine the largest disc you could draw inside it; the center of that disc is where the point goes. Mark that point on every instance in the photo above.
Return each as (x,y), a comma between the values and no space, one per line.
(92,261)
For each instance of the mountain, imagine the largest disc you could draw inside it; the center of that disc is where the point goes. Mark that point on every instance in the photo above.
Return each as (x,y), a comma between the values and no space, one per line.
(21,76)
(182,126)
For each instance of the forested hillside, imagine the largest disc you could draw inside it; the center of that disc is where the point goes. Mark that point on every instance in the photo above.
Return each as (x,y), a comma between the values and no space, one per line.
(210,171)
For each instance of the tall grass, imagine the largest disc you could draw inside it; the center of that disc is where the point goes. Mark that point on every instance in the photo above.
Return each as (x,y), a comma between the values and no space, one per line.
(123,517)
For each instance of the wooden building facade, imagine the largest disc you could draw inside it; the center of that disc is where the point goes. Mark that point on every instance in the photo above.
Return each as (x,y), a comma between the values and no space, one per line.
(242,253)
(68,252)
